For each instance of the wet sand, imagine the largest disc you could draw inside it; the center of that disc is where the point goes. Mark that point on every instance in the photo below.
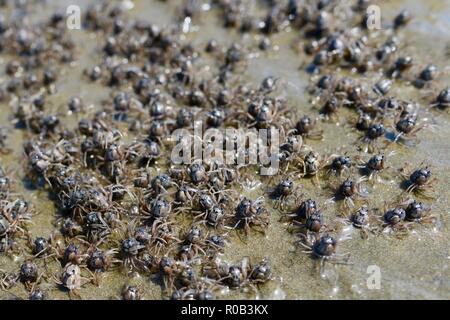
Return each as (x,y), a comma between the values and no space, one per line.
(416,267)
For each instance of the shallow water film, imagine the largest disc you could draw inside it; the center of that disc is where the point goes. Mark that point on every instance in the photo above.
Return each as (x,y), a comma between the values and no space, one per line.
(356,94)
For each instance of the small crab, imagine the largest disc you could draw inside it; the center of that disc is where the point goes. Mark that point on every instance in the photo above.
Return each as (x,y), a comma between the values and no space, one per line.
(305,128)
(405,128)
(215,244)
(323,248)
(363,122)
(8,280)
(131,293)
(169,269)
(442,101)
(417,211)
(304,210)
(251,214)
(187,276)
(393,220)
(418,181)
(162,235)
(337,164)
(72,280)
(283,192)
(292,150)
(130,249)
(293,144)
(160,183)
(373,133)
(195,239)
(197,173)
(184,196)
(99,261)
(216,216)
(400,66)
(308,216)
(330,108)
(426,76)
(261,272)
(348,191)
(371,168)
(29,274)
(361,219)
(241,275)
(313,223)
(198,291)
(160,209)
(311,164)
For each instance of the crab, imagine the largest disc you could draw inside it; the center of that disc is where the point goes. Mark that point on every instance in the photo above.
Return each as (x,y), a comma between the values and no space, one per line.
(349,191)
(418,181)
(323,248)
